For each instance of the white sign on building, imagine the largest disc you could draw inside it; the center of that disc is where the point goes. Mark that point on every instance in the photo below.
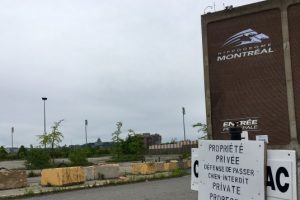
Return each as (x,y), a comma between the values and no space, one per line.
(233,170)
(195,169)
(281,176)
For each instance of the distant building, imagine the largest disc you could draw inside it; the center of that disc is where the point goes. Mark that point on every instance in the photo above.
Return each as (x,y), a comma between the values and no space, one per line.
(101,144)
(98,144)
(173,148)
(148,139)
(12,149)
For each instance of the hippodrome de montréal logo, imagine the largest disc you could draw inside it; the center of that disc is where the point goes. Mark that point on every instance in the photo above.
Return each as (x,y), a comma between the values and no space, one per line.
(245,37)
(245,44)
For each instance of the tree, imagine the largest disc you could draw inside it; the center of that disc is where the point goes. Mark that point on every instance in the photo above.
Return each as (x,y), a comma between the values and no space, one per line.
(44,139)
(136,145)
(55,137)
(116,148)
(202,128)
(131,132)
(133,146)
(3,153)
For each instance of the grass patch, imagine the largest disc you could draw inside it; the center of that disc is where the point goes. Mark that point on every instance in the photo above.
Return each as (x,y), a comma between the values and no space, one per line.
(178,173)
(28,192)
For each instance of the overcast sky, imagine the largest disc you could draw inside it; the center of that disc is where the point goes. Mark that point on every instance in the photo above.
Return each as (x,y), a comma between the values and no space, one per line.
(134,61)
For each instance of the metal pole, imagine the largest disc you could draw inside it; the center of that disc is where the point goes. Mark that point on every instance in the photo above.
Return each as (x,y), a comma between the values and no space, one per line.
(86,123)
(12,137)
(44,99)
(44,117)
(183,113)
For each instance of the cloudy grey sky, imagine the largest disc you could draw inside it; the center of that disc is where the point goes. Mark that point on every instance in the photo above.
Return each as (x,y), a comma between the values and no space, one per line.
(135,61)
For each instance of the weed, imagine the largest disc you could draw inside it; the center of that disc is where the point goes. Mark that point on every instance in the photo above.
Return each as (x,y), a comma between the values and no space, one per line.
(28,192)
(178,172)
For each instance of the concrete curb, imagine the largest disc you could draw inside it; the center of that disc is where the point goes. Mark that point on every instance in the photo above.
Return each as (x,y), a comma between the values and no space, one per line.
(36,190)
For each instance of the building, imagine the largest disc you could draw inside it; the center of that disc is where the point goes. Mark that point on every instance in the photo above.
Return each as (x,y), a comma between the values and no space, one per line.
(252,70)
(149,139)
(12,150)
(174,148)
(97,144)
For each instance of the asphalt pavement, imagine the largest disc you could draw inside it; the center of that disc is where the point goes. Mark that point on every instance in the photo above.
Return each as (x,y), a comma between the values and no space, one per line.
(167,189)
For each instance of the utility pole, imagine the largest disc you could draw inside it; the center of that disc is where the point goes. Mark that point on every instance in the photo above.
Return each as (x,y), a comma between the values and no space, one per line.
(86,124)
(183,113)
(44,99)
(12,137)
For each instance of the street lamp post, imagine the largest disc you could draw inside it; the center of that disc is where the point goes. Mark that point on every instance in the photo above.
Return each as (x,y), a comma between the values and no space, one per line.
(44,99)
(12,137)
(86,124)
(183,113)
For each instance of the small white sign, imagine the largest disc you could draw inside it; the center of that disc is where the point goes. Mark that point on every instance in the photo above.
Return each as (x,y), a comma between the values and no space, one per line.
(264,138)
(195,169)
(245,135)
(281,177)
(231,170)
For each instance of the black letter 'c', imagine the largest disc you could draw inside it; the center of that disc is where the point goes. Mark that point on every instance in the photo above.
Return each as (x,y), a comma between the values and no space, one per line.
(285,187)
(196,163)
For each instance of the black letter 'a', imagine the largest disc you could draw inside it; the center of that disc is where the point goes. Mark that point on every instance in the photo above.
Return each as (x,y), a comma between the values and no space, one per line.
(269,175)
(285,187)
(196,163)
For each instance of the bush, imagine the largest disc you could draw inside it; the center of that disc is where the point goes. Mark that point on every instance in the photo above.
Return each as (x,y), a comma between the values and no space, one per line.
(78,157)
(185,156)
(12,156)
(3,153)
(178,172)
(37,159)
(22,153)
(102,152)
(60,152)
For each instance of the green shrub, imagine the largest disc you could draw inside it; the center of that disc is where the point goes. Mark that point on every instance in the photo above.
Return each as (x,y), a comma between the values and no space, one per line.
(3,153)
(22,153)
(185,155)
(178,172)
(12,156)
(37,159)
(28,192)
(78,157)
(60,152)
(102,152)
